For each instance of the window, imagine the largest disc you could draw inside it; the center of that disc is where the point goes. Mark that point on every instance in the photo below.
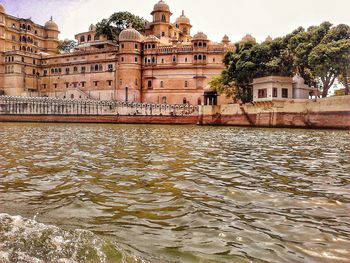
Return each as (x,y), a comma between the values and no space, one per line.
(52,71)
(82,39)
(163,34)
(162,84)
(204,57)
(67,85)
(174,58)
(163,18)
(262,93)
(184,101)
(274,93)
(200,57)
(149,84)
(122,59)
(136,46)
(55,85)
(45,72)
(109,82)
(75,69)
(34,72)
(100,67)
(67,70)
(122,45)
(153,45)
(185,59)
(95,83)
(136,82)
(153,60)
(110,67)
(13,37)
(83,69)
(89,38)
(164,100)
(44,86)
(162,60)
(204,44)
(195,57)
(284,93)
(136,60)
(186,84)
(83,84)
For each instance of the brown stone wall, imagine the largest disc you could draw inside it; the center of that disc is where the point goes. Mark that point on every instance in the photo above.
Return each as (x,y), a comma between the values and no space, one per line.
(101,119)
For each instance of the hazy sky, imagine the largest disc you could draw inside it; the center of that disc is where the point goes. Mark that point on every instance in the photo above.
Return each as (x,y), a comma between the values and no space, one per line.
(216,18)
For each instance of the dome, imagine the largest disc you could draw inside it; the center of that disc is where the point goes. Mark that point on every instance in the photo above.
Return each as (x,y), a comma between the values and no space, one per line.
(268,39)
(151,38)
(2,8)
(183,19)
(248,38)
(226,39)
(161,6)
(130,34)
(51,25)
(200,36)
(92,27)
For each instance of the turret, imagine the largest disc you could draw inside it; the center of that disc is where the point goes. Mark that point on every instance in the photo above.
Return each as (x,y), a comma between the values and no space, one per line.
(52,32)
(161,19)
(183,23)
(129,71)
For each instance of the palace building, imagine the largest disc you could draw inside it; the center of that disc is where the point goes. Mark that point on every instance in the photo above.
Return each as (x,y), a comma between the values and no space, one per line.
(165,64)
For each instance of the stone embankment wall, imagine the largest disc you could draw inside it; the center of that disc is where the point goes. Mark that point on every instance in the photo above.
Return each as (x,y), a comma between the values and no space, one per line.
(333,112)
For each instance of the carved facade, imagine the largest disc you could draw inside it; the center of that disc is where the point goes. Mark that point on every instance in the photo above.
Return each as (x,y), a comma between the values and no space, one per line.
(165,64)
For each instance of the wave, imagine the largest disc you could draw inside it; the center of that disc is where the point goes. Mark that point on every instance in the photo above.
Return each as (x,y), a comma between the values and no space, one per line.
(26,240)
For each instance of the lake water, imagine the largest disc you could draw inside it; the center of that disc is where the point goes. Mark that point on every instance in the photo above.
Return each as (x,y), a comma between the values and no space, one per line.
(133,193)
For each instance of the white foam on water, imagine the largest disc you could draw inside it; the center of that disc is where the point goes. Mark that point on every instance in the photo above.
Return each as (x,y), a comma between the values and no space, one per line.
(26,240)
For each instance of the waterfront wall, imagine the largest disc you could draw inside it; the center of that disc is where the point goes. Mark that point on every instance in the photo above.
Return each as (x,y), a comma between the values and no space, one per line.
(333,112)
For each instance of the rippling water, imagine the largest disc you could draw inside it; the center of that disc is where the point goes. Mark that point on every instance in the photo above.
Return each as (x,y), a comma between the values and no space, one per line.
(129,193)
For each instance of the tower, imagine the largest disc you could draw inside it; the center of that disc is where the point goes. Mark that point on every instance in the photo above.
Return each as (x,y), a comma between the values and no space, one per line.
(184,25)
(52,32)
(129,68)
(161,19)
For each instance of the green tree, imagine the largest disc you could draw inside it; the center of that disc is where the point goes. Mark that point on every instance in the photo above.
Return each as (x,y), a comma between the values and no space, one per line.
(117,22)
(66,46)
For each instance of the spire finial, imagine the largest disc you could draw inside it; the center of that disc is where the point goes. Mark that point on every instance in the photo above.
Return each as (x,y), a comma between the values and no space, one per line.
(183,12)
(51,18)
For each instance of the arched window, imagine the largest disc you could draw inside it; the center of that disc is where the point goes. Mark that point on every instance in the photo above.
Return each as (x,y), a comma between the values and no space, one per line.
(82,39)
(204,57)
(149,84)
(204,44)
(200,44)
(184,101)
(200,57)
(145,60)
(174,58)
(28,27)
(153,60)
(154,46)
(89,38)
(195,57)
(195,44)
(164,101)
(100,68)
(185,59)
(96,67)
(163,18)
(199,101)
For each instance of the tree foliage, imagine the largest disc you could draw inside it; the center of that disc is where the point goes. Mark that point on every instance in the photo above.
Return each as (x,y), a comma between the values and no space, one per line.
(117,22)
(66,46)
(320,54)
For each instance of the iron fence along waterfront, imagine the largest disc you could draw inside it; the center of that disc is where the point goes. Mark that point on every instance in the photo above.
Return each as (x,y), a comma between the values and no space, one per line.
(11,105)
